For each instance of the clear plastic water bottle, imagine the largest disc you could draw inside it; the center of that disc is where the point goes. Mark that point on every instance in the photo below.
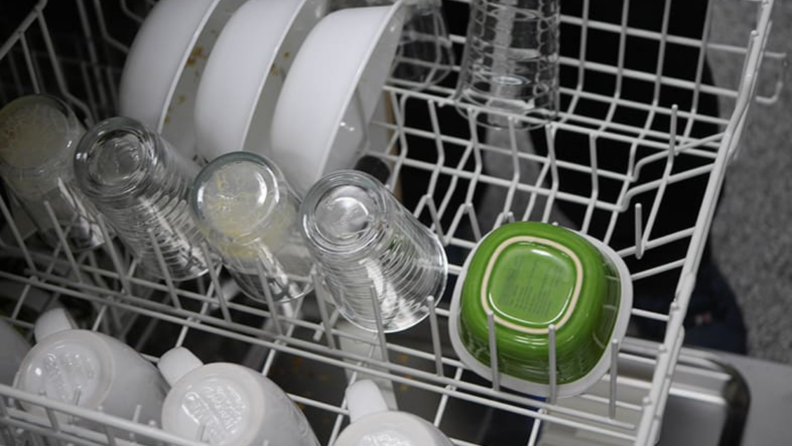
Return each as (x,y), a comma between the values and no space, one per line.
(369,247)
(511,59)
(141,184)
(247,212)
(38,136)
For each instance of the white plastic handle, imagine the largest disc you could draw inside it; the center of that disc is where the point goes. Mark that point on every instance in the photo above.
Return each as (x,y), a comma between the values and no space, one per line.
(176,363)
(364,398)
(51,322)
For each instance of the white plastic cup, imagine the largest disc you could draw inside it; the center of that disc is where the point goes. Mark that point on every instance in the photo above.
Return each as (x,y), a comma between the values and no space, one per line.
(373,423)
(228,404)
(90,370)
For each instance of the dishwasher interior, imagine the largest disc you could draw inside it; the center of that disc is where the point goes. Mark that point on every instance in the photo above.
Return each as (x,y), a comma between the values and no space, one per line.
(75,49)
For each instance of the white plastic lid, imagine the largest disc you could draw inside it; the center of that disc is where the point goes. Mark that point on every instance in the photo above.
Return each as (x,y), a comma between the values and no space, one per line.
(51,322)
(220,404)
(391,428)
(73,367)
(364,398)
(373,425)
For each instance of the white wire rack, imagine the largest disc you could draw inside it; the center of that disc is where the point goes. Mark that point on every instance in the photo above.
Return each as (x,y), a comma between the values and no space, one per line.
(74,49)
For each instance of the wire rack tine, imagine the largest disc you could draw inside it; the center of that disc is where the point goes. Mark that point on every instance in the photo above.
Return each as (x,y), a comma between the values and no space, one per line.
(218,287)
(614,373)
(436,345)
(671,154)
(552,367)
(34,74)
(551,156)
(164,270)
(56,226)
(115,258)
(535,429)
(58,70)
(103,29)
(273,309)
(92,55)
(319,291)
(493,351)
(17,235)
(594,184)
(639,240)
(375,303)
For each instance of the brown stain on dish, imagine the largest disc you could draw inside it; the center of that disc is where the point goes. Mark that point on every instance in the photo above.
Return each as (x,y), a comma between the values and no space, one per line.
(275,71)
(180,99)
(286,54)
(167,119)
(197,53)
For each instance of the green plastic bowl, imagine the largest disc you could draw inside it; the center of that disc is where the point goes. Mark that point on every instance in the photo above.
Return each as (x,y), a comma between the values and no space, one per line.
(533,275)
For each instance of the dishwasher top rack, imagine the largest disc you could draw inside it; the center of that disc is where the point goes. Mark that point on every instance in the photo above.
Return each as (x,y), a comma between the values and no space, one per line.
(75,49)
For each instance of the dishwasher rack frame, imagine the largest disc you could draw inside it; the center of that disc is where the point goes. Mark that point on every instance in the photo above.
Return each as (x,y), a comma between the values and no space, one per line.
(86,75)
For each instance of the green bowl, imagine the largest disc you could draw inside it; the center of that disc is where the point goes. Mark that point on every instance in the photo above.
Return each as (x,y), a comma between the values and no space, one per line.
(531,276)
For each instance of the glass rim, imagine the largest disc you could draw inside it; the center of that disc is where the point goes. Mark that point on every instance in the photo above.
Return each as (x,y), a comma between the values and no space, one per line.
(274,177)
(151,148)
(373,233)
(64,153)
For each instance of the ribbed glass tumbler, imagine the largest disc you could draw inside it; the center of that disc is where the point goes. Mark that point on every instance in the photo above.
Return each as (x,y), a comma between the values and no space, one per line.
(141,184)
(373,254)
(248,213)
(38,136)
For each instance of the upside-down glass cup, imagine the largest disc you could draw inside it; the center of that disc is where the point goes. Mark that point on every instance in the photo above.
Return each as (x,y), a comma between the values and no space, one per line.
(141,184)
(249,215)
(424,56)
(510,63)
(372,252)
(38,136)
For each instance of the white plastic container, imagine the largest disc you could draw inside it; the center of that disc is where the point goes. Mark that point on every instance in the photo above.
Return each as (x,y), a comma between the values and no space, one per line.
(374,424)
(228,404)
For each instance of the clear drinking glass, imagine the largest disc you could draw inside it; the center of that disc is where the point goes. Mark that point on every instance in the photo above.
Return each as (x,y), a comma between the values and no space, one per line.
(246,210)
(511,59)
(141,184)
(38,136)
(424,56)
(367,245)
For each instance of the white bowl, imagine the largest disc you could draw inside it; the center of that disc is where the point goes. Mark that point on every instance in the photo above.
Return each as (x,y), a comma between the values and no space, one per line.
(244,74)
(165,62)
(334,85)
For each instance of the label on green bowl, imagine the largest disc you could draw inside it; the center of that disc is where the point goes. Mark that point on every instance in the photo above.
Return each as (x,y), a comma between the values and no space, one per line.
(530,283)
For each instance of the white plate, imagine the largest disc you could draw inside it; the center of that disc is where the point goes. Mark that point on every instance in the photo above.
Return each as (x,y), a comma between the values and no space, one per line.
(165,62)
(538,389)
(244,74)
(333,87)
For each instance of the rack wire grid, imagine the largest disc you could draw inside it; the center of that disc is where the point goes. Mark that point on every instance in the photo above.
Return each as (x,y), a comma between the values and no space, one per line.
(75,49)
